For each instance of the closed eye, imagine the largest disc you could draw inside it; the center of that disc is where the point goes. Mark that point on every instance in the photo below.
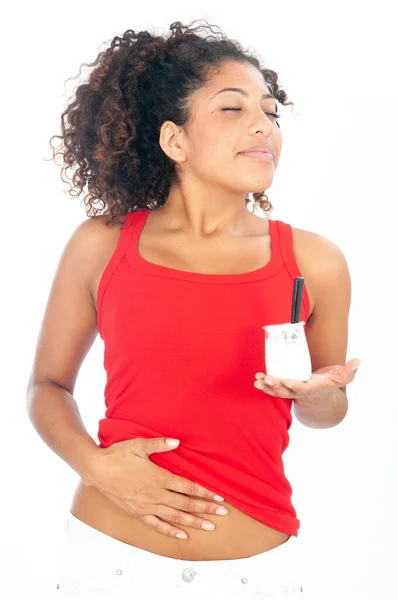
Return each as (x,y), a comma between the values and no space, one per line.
(275,115)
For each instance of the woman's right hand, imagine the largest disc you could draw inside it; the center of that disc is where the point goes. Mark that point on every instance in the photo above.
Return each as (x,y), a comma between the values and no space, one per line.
(124,473)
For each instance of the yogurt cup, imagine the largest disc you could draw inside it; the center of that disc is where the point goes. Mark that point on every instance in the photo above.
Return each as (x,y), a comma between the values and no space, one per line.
(287,355)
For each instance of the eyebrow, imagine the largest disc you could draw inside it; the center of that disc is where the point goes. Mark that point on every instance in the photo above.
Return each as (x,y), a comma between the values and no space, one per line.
(243,92)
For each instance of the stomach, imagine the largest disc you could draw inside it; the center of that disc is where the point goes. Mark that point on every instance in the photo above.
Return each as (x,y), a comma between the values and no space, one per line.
(236,535)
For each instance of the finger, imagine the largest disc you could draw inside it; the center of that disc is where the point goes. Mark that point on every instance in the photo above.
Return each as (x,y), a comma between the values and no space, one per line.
(299,386)
(323,382)
(259,375)
(277,390)
(353,365)
(265,381)
(273,386)
(259,384)
(312,386)
(293,387)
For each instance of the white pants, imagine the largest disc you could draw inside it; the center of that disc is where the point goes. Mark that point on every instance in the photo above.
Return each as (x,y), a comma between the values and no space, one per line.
(95,566)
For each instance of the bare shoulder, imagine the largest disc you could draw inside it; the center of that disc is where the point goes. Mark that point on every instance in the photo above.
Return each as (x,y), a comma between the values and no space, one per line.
(321,253)
(69,324)
(92,233)
(96,226)
(320,261)
(100,241)
(325,265)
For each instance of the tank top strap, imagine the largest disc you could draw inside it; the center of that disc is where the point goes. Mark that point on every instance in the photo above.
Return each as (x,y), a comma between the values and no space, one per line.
(286,247)
(127,228)
(126,232)
(287,252)
(276,253)
(125,235)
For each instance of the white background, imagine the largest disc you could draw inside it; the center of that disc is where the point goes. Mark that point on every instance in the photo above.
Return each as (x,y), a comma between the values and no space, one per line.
(337,62)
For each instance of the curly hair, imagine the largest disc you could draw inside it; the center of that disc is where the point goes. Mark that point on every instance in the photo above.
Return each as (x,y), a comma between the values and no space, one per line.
(110,129)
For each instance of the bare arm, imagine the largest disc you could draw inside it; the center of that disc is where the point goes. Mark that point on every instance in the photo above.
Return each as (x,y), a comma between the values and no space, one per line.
(55,416)
(123,472)
(68,330)
(327,328)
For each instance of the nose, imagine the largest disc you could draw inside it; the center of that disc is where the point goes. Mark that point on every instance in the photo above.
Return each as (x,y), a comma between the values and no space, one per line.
(262,123)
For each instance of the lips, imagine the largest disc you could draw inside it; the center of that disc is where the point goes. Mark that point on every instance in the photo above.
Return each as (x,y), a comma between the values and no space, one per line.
(265,148)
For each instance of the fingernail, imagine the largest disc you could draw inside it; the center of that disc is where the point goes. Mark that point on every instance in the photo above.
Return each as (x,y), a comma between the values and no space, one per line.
(221,511)
(356,366)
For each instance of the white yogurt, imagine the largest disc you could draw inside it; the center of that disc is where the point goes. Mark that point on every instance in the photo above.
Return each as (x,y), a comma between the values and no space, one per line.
(287,355)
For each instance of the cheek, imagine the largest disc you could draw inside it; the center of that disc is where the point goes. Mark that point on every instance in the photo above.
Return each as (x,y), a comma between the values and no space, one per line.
(215,137)
(212,149)
(278,141)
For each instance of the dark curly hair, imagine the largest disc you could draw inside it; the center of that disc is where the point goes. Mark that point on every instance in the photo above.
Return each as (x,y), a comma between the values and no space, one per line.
(110,131)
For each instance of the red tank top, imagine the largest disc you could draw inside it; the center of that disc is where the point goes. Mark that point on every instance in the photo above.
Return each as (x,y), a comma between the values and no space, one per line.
(180,352)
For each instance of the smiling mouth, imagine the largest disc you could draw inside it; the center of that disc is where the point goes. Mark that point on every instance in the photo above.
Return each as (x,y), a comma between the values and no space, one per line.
(261,155)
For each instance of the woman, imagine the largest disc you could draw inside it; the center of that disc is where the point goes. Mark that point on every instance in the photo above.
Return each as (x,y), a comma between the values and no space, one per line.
(179,277)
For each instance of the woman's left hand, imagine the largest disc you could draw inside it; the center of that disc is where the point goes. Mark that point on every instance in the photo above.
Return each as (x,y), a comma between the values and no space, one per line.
(321,382)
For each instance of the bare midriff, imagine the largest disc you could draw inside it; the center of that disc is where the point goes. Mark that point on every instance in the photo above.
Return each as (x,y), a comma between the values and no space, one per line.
(236,535)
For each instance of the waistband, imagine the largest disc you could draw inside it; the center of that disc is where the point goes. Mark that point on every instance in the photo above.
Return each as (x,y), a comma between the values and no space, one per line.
(275,565)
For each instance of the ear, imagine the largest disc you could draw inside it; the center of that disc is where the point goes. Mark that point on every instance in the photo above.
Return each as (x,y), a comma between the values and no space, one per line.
(171,140)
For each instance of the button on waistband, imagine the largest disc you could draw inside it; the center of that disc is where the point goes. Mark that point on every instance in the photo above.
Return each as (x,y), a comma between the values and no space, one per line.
(188,574)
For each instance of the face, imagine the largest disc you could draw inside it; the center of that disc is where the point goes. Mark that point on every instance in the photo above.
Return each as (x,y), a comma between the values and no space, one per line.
(208,147)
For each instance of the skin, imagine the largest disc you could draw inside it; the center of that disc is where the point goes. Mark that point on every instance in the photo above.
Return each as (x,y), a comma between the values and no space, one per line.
(203,227)
(214,178)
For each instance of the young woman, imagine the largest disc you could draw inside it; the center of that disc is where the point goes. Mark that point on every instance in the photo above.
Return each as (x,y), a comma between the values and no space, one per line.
(179,277)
